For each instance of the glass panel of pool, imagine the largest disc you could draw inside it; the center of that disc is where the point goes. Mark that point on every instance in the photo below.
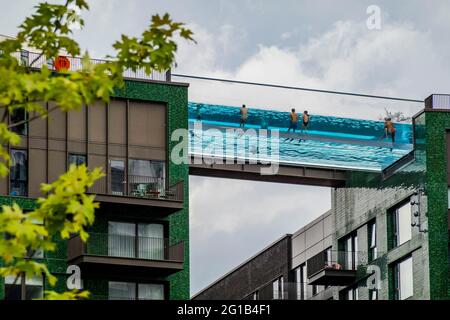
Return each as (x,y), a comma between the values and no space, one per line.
(329,142)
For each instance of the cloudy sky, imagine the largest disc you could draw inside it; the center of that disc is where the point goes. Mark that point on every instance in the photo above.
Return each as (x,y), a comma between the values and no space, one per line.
(323,44)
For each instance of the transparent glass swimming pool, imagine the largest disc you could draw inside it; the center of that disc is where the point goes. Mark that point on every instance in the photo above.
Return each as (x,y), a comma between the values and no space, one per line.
(330,142)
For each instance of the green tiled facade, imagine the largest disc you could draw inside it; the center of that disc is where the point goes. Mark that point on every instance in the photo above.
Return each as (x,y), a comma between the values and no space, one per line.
(437,191)
(175,97)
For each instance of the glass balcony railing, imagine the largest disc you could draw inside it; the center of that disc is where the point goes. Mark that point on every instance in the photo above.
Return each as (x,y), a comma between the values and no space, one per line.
(138,187)
(123,246)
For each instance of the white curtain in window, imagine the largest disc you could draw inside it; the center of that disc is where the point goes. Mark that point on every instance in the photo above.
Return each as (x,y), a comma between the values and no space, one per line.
(404,223)
(151,241)
(151,292)
(121,290)
(121,239)
(406,279)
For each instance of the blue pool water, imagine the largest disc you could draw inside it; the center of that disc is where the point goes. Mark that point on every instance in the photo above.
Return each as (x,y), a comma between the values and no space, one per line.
(330,141)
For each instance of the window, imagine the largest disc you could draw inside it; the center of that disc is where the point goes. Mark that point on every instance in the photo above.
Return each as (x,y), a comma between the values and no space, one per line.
(146,177)
(24,58)
(34,288)
(373,294)
(117,168)
(401,221)
(350,294)
(403,279)
(372,237)
(19,173)
(133,291)
(301,282)
(130,240)
(18,124)
(349,255)
(77,159)
(278,289)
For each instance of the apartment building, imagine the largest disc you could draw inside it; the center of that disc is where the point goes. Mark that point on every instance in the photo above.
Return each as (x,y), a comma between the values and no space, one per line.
(138,247)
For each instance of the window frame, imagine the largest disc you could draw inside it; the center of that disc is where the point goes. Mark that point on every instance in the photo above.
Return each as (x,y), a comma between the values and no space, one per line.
(136,287)
(396,278)
(280,288)
(372,240)
(27,174)
(394,217)
(76,154)
(300,273)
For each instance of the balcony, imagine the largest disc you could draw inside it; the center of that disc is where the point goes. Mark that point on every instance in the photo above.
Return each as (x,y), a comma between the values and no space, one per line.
(139,190)
(105,253)
(334,268)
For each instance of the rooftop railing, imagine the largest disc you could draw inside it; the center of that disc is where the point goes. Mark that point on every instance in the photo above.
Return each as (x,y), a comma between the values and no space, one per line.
(25,58)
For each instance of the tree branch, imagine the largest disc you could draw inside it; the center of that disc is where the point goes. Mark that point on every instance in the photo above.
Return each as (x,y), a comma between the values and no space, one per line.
(38,116)
(57,23)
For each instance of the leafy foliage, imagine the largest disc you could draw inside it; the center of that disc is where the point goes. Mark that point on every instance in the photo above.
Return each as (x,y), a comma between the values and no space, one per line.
(66,209)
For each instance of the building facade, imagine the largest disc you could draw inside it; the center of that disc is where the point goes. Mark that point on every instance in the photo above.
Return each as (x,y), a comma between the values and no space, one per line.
(138,247)
(386,236)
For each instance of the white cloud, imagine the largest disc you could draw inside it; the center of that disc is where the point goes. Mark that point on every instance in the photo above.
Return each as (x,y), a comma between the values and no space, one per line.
(348,57)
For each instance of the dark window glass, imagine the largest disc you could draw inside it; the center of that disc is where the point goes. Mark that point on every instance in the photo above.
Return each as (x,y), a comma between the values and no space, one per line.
(18,116)
(19,173)
(117,168)
(77,159)
(350,294)
(34,288)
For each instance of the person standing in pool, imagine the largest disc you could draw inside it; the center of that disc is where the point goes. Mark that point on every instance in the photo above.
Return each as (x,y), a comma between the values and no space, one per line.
(305,120)
(198,112)
(389,129)
(293,122)
(244,116)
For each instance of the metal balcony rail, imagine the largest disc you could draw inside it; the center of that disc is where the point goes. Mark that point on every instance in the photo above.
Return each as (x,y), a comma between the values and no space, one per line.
(139,187)
(336,260)
(124,298)
(284,291)
(25,58)
(123,246)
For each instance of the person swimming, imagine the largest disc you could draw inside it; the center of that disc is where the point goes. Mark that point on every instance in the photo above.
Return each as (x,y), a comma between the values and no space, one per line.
(244,116)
